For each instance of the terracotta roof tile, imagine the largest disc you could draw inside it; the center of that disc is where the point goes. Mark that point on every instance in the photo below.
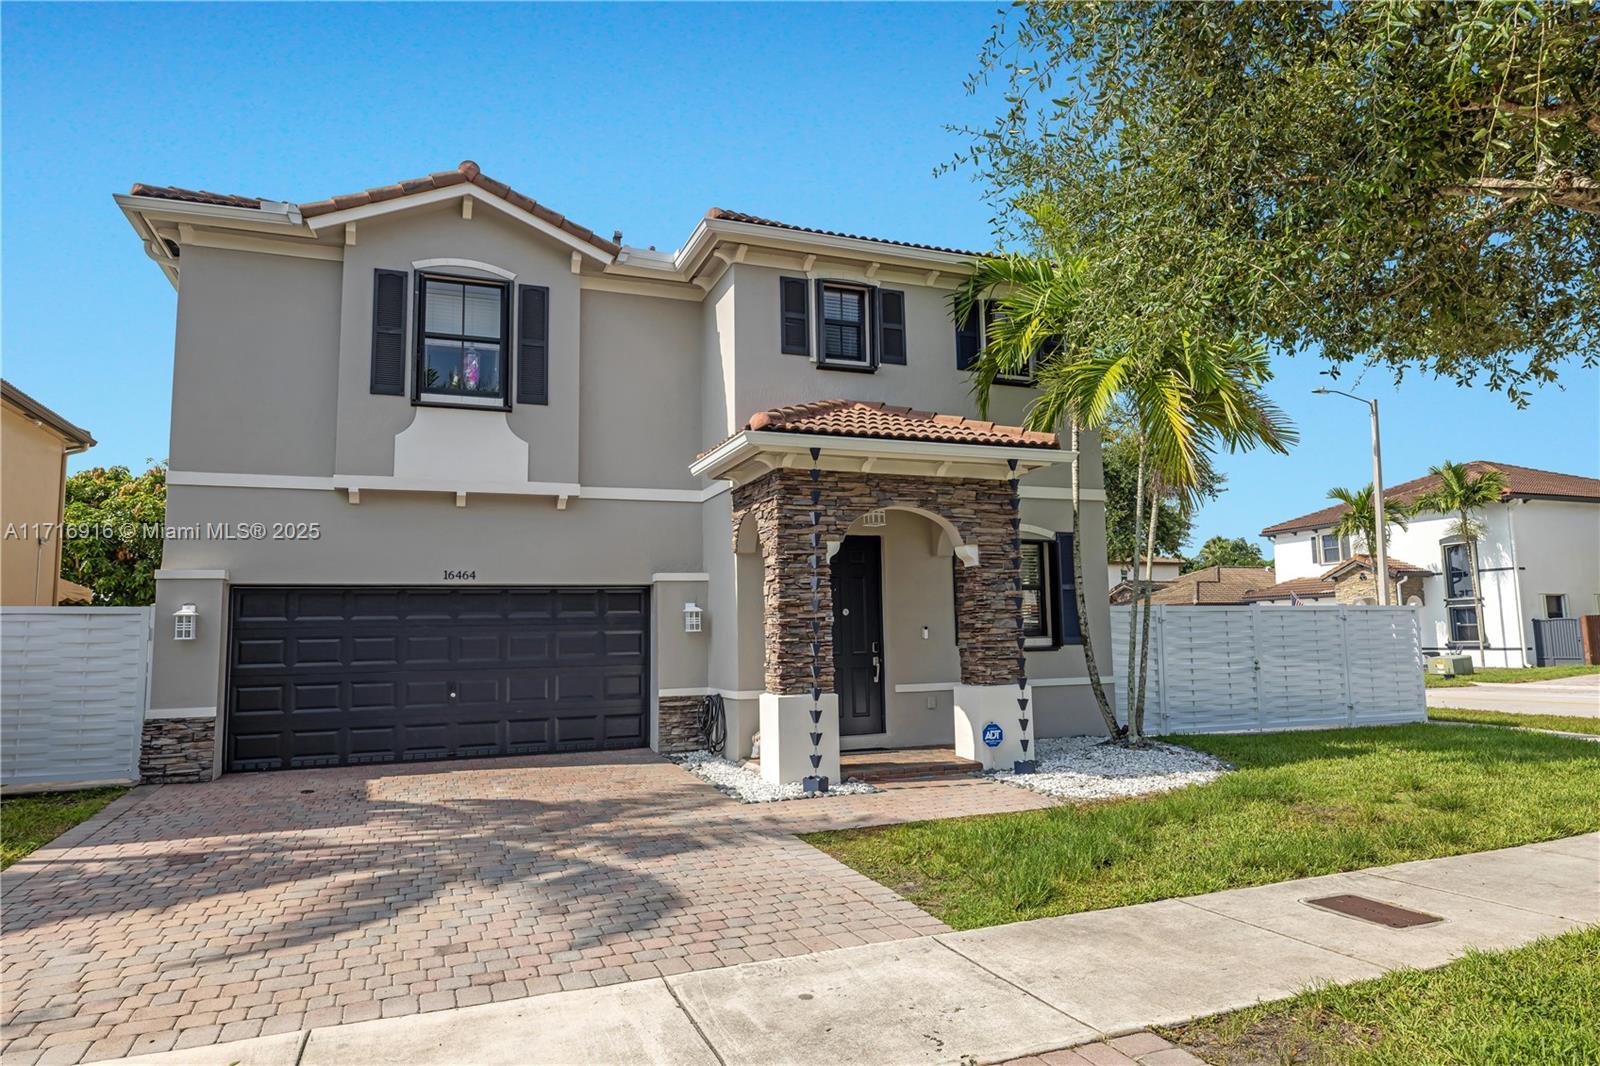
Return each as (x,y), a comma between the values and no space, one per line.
(466,172)
(1397,567)
(757,220)
(1522,481)
(1213,586)
(854,418)
(1304,587)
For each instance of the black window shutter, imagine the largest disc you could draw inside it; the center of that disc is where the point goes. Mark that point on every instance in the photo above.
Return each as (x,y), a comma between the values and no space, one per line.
(389,332)
(1070,630)
(891,327)
(967,340)
(533,344)
(796,330)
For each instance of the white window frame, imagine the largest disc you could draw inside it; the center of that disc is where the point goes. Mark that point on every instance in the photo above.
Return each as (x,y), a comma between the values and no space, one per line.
(1321,550)
(1047,637)
(1561,598)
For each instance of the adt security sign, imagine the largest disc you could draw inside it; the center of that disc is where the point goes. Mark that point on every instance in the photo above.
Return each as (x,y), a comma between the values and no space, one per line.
(993,735)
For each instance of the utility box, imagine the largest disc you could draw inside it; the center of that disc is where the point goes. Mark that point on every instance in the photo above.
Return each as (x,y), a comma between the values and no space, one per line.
(1449,665)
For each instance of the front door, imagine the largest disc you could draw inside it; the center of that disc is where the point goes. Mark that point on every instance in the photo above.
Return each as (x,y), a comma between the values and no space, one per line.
(858,635)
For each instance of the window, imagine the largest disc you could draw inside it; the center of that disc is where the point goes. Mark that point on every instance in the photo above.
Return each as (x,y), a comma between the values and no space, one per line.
(1464,625)
(1555,606)
(972,335)
(1334,548)
(1457,572)
(844,325)
(461,332)
(1036,598)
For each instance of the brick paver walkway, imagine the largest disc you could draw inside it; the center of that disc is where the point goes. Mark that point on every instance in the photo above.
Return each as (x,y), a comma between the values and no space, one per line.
(274,902)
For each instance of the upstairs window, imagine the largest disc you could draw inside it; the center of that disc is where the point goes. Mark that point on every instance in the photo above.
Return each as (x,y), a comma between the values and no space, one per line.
(844,325)
(462,326)
(1333,548)
(1457,572)
(973,335)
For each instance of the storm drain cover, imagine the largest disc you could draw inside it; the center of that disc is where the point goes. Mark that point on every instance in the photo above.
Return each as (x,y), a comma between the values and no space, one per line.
(1375,911)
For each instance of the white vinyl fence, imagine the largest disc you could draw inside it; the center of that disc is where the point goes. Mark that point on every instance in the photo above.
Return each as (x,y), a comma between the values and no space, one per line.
(1247,669)
(73,689)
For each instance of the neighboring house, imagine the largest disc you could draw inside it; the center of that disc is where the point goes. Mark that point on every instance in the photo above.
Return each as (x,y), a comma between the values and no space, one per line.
(1212,586)
(496,484)
(1349,583)
(1120,575)
(34,445)
(1539,565)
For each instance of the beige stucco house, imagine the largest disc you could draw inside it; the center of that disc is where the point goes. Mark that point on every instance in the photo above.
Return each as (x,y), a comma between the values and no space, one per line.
(452,475)
(34,445)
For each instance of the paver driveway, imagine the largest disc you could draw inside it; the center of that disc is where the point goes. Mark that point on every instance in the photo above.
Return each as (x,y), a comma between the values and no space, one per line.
(274,902)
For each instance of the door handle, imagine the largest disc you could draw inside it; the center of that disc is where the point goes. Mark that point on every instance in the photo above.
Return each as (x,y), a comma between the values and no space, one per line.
(877,669)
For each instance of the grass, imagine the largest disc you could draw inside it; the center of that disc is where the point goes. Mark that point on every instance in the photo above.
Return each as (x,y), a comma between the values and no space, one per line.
(1510,675)
(27,823)
(1564,723)
(1537,1005)
(1300,804)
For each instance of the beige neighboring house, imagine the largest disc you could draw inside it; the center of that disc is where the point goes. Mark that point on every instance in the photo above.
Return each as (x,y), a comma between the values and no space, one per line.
(1120,576)
(1212,587)
(34,445)
(524,488)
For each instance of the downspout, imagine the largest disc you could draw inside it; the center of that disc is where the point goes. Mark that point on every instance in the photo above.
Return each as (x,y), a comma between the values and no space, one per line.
(1516,582)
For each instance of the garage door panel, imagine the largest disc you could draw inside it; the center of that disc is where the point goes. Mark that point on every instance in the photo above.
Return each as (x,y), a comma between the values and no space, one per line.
(330,676)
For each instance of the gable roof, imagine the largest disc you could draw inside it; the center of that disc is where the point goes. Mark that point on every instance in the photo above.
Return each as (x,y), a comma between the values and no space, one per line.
(38,412)
(1214,586)
(722,214)
(1522,482)
(465,173)
(1397,567)
(1309,588)
(854,418)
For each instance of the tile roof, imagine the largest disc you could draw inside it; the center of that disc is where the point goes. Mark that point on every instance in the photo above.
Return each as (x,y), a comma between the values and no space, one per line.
(1397,567)
(1522,481)
(757,220)
(37,411)
(1307,588)
(1215,585)
(467,172)
(854,418)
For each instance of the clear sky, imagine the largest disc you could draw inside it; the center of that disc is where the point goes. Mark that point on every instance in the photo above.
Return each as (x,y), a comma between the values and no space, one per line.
(634,117)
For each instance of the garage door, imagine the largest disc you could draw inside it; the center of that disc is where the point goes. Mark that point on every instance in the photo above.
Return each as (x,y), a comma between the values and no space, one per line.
(338,676)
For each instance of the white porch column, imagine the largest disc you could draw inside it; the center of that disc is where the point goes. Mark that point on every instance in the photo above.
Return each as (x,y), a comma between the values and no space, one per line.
(978,707)
(786,730)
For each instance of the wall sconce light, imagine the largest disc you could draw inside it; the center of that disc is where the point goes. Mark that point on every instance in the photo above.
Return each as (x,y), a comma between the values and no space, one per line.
(183,620)
(693,617)
(875,519)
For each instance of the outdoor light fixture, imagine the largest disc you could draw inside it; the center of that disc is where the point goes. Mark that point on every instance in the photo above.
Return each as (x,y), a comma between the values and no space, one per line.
(183,620)
(875,519)
(693,617)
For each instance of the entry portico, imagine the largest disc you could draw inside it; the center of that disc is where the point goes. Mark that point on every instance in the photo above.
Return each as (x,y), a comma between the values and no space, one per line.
(865,521)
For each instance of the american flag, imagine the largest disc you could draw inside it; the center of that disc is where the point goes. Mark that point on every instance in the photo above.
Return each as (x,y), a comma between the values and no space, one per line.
(1295,601)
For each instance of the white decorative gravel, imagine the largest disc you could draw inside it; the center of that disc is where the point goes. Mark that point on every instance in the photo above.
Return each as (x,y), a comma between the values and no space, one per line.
(1090,768)
(749,787)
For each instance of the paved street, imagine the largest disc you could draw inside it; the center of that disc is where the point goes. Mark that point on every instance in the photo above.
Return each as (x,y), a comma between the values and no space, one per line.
(1013,992)
(187,915)
(1577,696)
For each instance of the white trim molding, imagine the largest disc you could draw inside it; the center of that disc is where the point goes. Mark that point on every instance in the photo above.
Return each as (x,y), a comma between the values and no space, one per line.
(157,713)
(1044,682)
(660,579)
(725,693)
(382,482)
(464,264)
(772,449)
(190,575)
(1048,492)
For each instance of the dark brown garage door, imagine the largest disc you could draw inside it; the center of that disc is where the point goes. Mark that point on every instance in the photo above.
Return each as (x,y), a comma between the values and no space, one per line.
(335,676)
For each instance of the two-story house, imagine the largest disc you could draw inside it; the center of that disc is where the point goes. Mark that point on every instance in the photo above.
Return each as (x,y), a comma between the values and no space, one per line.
(453,476)
(1538,562)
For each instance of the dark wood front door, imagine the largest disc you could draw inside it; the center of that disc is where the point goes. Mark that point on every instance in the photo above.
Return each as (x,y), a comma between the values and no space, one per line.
(858,635)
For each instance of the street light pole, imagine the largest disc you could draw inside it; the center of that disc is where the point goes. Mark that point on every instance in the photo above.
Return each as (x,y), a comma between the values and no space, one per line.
(1380,550)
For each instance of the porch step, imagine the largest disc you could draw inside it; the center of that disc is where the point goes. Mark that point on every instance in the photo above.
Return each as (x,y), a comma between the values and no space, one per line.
(914,764)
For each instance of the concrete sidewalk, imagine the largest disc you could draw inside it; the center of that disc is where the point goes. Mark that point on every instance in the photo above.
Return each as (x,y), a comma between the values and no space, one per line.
(1578,697)
(990,994)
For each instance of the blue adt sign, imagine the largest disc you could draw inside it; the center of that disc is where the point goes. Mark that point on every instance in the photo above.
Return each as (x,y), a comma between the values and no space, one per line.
(993,735)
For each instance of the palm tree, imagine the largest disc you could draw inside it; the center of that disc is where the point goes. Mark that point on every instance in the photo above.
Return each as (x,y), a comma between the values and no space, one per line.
(1184,398)
(1360,519)
(1463,493)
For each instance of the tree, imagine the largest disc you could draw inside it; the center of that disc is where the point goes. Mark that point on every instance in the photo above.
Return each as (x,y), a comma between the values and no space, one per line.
(1463,493)
(1119,454)
(114,538)
(1359,521)
(1182,398)
(1223,551)
(1393,182)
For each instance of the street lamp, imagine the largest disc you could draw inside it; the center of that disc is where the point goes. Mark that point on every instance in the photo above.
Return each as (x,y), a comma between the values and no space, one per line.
(1381,549)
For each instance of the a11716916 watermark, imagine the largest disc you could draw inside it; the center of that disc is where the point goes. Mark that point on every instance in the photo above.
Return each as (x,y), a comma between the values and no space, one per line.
(44,532)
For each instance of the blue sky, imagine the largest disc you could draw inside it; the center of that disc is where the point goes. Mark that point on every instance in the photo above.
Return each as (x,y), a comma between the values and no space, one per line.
(634,117)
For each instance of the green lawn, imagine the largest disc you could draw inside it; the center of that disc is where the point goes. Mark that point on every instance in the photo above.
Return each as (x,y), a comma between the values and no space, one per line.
(1537,1005)
(29,822)
(1564,723)
(1300,804)
(1510,675)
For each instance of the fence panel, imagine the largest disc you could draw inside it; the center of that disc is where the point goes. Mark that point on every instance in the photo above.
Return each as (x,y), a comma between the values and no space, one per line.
(73,686)
(1245,669)
(1557,641)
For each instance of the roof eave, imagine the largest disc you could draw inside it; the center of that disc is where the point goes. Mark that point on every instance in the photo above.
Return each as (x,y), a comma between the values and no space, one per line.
(747,447)
(710,231)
